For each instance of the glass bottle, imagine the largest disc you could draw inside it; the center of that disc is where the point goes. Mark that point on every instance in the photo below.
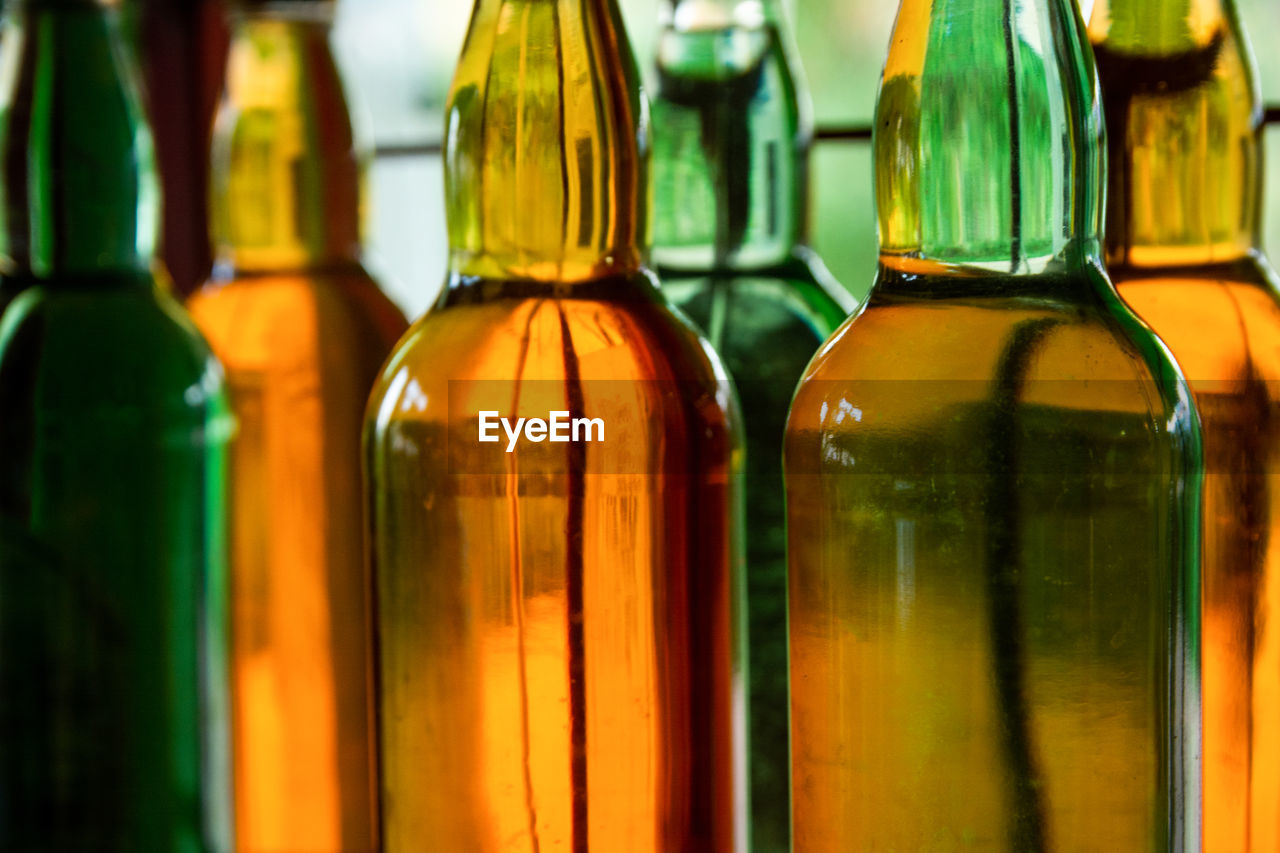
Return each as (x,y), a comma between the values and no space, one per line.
(114,424)
(1183,119)
(992,484)
(302,331)
(731,154)
(557,651)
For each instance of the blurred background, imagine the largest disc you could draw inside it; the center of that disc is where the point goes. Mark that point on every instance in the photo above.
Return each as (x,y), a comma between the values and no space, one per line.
(398,57)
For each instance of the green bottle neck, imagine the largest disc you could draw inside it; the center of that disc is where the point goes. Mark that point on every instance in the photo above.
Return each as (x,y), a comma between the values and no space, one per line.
(732,162)
(285,176)
(79,196)
(988,140)
(1184,116)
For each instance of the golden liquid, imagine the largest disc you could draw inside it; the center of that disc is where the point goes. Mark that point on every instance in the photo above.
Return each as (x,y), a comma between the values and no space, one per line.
(300,351)
(1223,324)
(557,667)
(1182,118)
(980,588)
(557,625)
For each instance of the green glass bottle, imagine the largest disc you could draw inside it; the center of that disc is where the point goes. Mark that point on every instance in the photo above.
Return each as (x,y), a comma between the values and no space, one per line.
(731,149)
(113,426)
(993,479)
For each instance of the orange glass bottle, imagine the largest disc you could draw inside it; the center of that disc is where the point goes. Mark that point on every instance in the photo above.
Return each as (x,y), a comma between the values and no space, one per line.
(1183,115)
(556,618)
(302,331)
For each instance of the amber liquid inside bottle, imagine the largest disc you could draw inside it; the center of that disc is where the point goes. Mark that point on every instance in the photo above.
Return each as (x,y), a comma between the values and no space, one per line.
(972,579)
(1182,110)
(556,646)
(302,330)
(992,482)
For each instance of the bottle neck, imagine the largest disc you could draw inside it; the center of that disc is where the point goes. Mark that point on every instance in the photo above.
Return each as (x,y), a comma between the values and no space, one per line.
(79,195)
(731,163)
(1183,120)
(987,139)
(285,177)
(546,145)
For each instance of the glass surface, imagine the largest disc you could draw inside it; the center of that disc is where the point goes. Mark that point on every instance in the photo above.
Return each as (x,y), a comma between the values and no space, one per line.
(557,624)
(1182,112)
(766,325)
(731,145)
(301,350)
(302,331)
(112,623)
(992,483)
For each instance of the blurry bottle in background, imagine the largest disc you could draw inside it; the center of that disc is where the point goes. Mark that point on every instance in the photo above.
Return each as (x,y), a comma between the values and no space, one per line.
(113,424)
(302,330)
(182,49)
(1183,124)
(993,484)
(556,637)
(732,129)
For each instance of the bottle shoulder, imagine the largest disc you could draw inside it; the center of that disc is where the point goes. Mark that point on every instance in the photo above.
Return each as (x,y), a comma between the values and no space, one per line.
(505,343)
(257,320)
(905,366)
(799,288)
(128,349)
(1221,321)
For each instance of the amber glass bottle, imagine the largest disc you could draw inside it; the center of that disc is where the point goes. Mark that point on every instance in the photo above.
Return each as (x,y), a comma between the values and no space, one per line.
(555,623)
(302,331)
(1183,114)
(113,429)
(731,152)
(992,484)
